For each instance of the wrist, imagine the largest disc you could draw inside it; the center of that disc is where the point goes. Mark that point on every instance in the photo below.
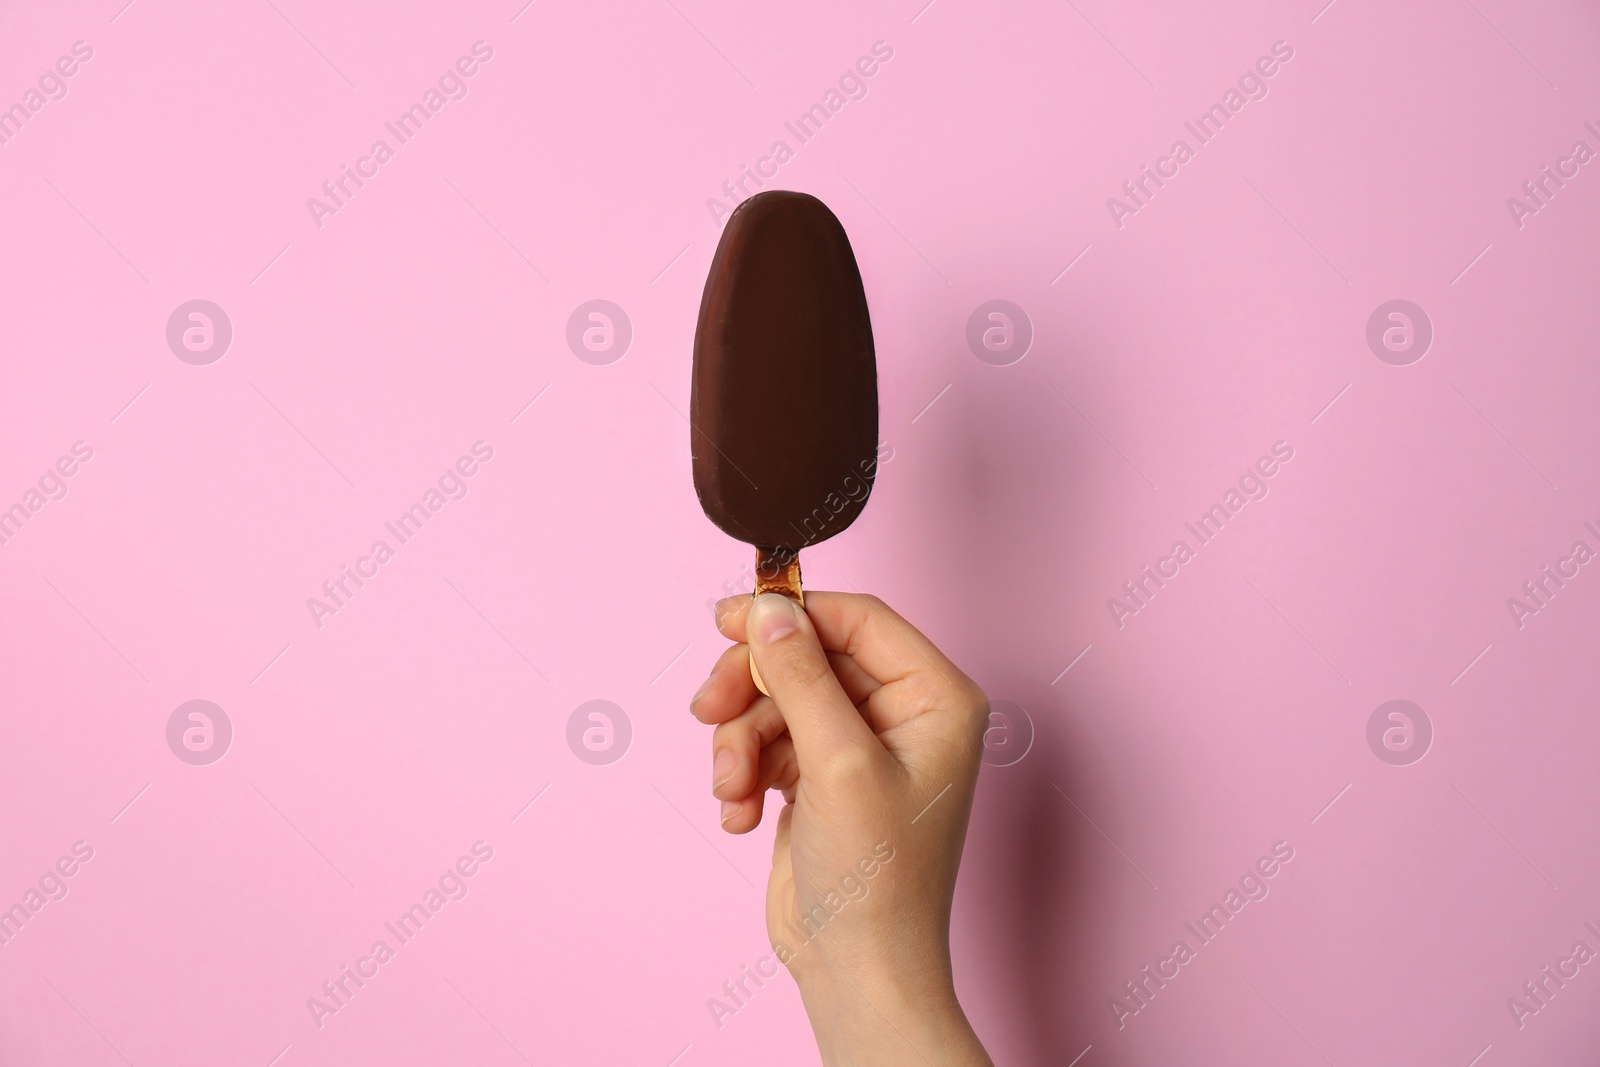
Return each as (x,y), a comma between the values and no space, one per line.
(889,1020)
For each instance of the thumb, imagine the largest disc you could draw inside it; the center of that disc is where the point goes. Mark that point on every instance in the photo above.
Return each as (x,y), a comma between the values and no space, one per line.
(820,717)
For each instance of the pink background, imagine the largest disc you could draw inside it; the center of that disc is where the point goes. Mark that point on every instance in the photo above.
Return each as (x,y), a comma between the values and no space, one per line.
(368,354)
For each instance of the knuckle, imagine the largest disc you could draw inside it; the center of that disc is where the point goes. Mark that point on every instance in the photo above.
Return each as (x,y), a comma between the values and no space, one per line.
(735,734)
(964,696)
(779,766)
(976,703)
(802,668)
(926,691)
(851,766)
(879,613)
(974,698)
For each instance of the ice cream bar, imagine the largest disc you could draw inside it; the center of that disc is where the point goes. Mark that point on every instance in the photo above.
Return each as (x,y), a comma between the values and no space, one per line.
(784,404)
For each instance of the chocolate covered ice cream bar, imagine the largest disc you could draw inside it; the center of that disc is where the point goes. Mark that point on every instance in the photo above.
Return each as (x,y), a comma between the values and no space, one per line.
(784,402)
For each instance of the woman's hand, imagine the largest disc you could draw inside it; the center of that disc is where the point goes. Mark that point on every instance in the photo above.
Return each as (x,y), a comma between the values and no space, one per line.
(873,737)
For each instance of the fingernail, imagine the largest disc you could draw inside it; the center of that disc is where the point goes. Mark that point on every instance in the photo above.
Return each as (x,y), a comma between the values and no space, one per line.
(722,766)
(772,618)
(730,808)
(698,693)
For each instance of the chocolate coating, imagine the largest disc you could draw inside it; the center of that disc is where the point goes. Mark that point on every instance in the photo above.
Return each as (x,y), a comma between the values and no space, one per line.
(784,404)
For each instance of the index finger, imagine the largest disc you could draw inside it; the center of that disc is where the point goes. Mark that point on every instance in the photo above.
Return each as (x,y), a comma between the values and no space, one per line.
(862,627)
